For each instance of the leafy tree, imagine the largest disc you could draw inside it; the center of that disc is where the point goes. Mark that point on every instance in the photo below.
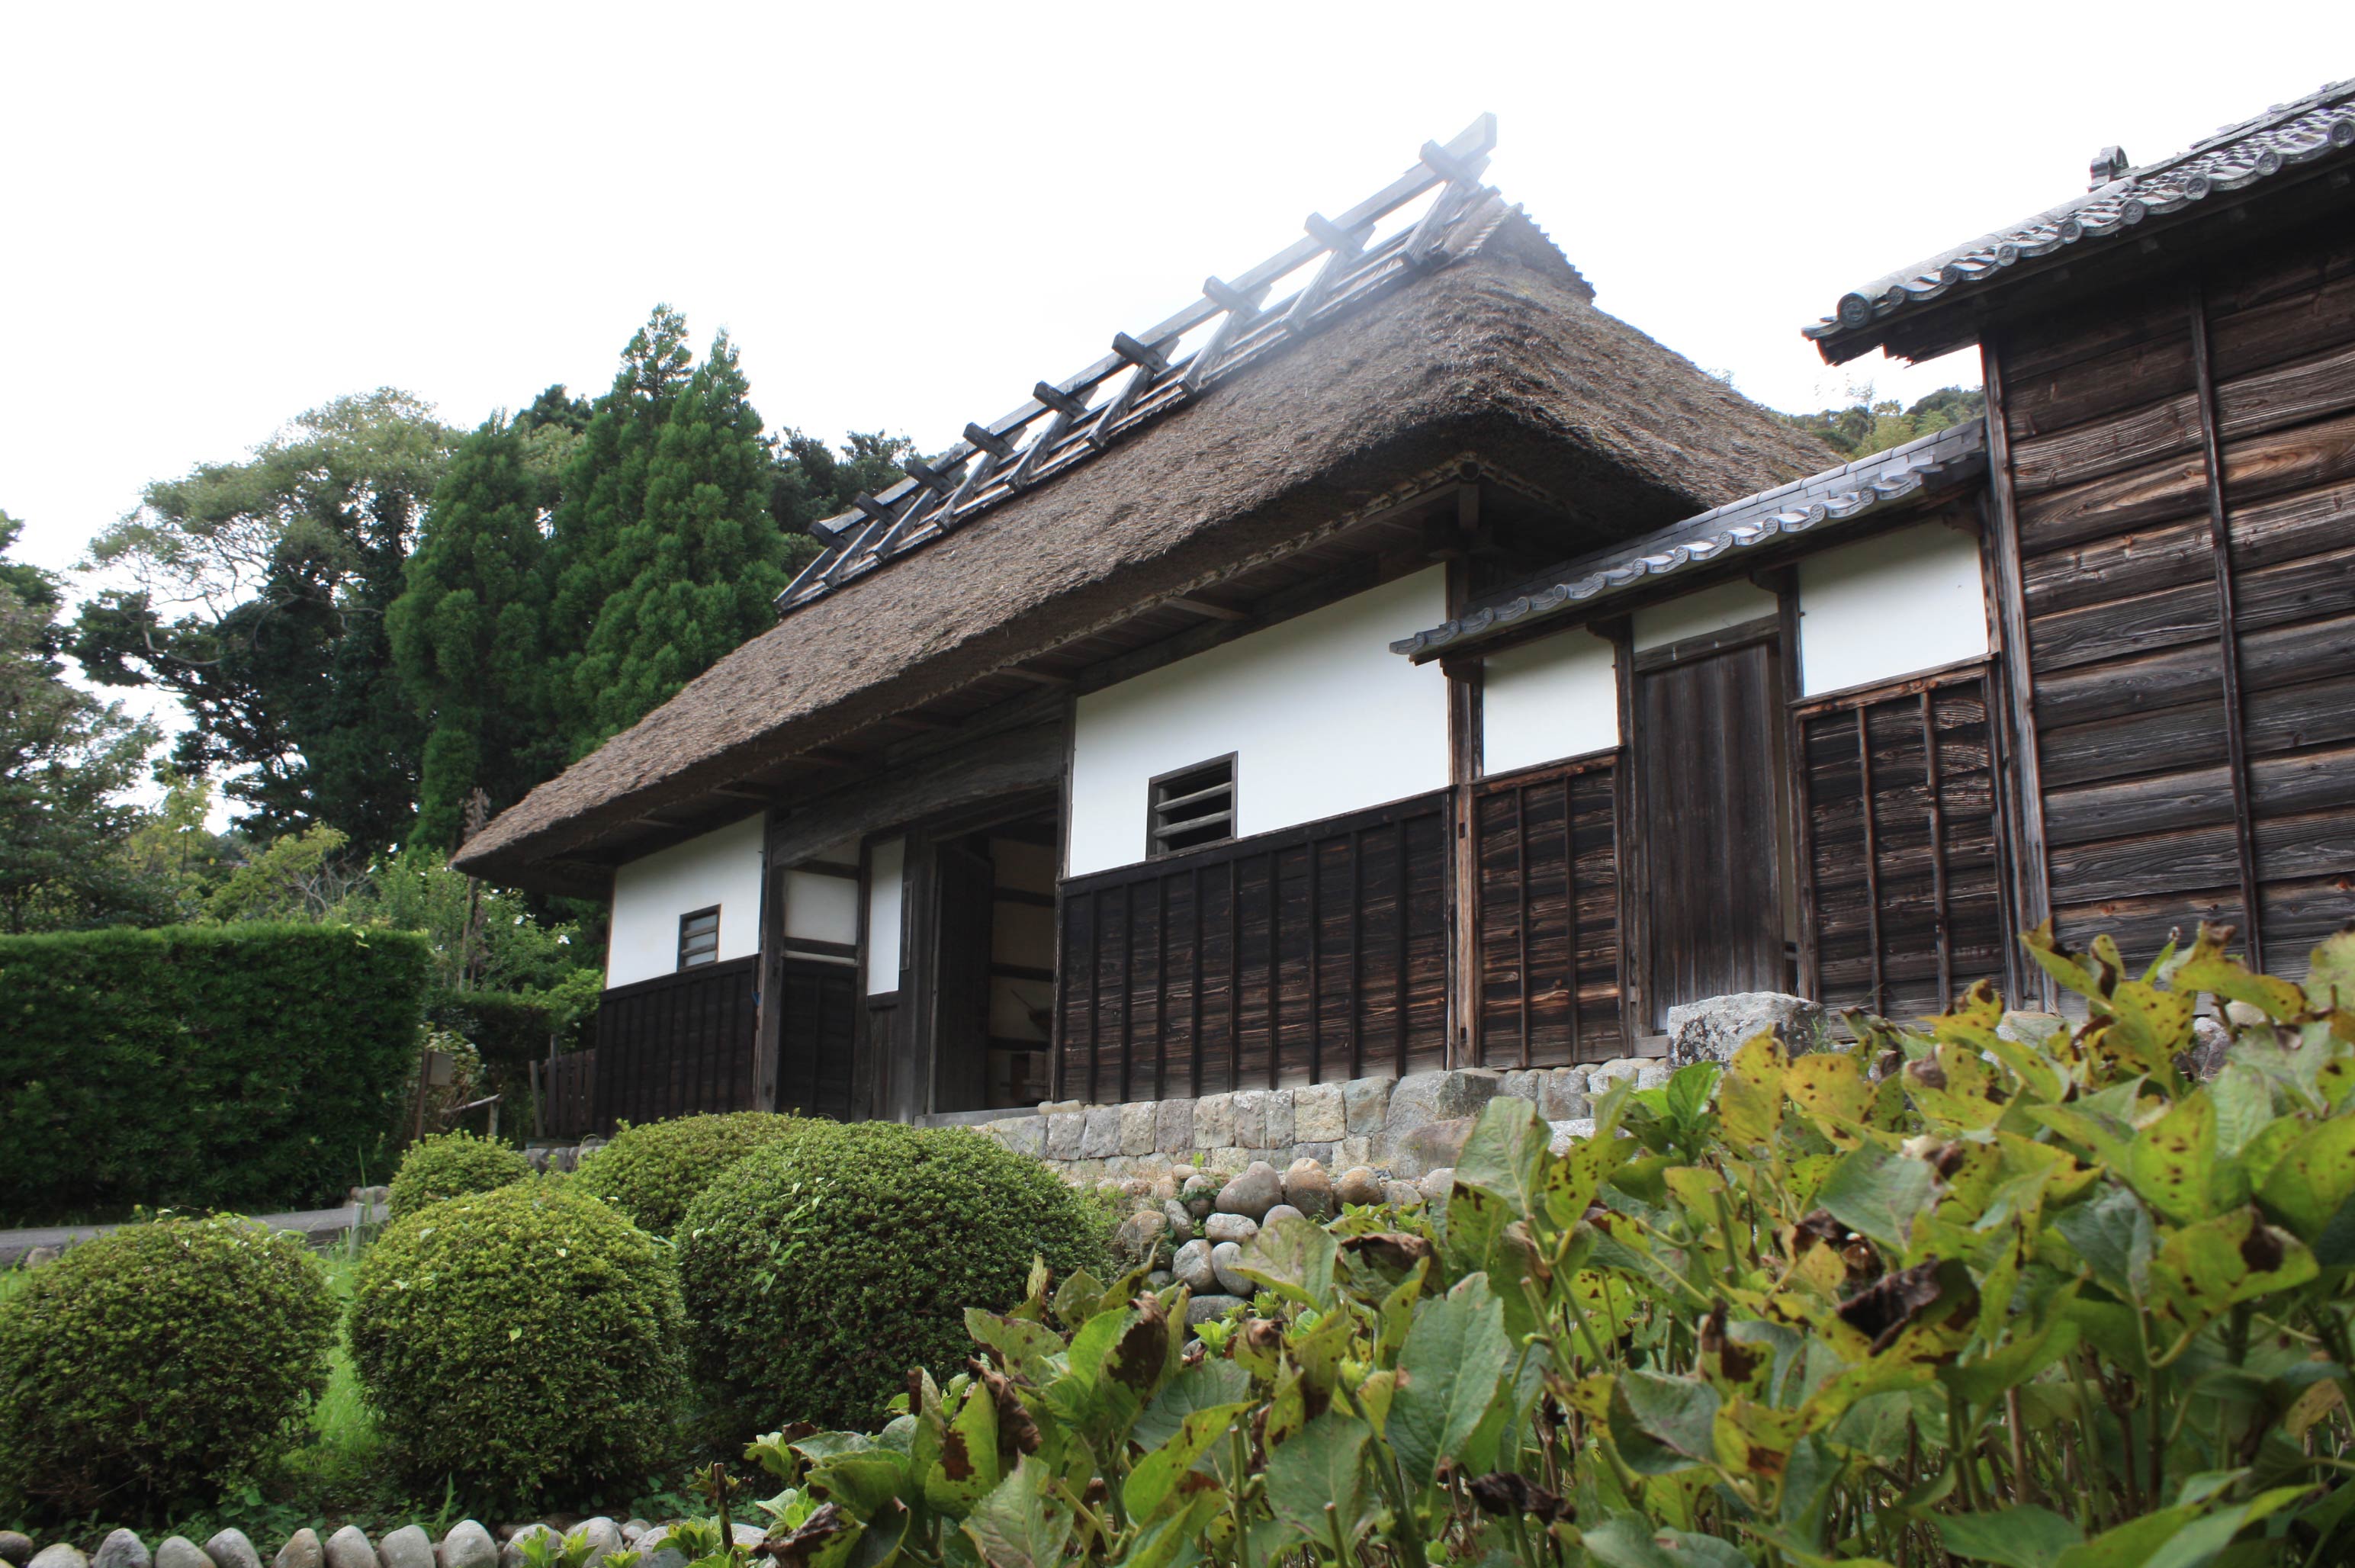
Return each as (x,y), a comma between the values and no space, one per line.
(296,875)
(508,949)
(1869,426)
(259,601)
(665,553)
(810,484)
(468,634)
(65,759)
(174,852)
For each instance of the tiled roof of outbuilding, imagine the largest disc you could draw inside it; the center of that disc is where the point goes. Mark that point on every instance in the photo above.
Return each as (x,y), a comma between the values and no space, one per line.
(1834,495)
(2286,136)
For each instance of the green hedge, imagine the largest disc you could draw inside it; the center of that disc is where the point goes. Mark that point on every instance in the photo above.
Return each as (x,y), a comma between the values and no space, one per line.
(251,1067)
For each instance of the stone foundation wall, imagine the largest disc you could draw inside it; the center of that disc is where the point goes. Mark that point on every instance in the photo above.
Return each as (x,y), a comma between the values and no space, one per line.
(1402,1128)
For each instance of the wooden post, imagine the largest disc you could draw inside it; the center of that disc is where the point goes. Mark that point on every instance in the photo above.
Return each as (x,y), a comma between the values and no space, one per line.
(1463,773)
(768,995)
(2032,880)
(2228,635)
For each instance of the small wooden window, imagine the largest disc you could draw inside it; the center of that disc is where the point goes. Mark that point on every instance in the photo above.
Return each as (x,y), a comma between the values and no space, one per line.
(1194,806)
(699,937)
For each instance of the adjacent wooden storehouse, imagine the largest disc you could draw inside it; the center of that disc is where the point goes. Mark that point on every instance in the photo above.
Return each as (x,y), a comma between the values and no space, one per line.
(1389,661)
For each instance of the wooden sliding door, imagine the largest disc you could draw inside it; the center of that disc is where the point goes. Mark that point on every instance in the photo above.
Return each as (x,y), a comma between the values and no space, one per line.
(1707,766)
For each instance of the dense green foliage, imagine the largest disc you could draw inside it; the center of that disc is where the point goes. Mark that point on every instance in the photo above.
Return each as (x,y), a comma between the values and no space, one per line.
(450,1165)
(158,1364)
(259,601)
(65,760)
(663,546)
(1870,424)
(818,1270)
(523,1343)
(1973,1292)
(469,632)
(654,1172)
(250,1067)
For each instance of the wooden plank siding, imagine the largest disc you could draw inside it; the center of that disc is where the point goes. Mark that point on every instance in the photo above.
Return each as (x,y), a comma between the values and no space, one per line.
(1299,956)
(1546,916)
(678,1045)
(568,1092)
(818,1017)
(1905,873)
(2183,469)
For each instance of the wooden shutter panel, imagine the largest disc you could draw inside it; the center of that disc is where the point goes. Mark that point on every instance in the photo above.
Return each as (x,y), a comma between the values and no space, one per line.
(1905,865)
(1549,917)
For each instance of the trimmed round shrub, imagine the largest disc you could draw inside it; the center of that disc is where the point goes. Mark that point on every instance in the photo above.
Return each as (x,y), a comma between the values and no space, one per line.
(652,1173)
(159,1365)
(450,1165)
(525,1342)
(818,1270)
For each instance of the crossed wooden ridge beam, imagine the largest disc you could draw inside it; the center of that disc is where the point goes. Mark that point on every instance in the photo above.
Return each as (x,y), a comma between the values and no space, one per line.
(1146,373)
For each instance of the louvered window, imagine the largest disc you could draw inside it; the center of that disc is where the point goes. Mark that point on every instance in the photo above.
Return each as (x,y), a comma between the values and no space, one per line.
(699,937)
(1194,806)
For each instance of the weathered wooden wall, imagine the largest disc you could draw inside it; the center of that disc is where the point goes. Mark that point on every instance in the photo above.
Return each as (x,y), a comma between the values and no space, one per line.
(1309,954)
(818,1016)
(2182,464)
(678,1045)
(1547,916)
(1904,885)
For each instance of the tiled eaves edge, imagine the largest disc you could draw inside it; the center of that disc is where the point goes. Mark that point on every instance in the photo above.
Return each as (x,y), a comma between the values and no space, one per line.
(1933,460)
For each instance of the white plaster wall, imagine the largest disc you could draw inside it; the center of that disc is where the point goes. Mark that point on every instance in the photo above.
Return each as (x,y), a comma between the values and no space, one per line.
(722,866)
(1889,606)
(1322,718)
(887,870)
(821,908)
(1549,700)
(1714,609)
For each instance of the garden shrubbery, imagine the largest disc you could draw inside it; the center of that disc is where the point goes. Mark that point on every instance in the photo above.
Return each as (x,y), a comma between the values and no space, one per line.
(158,1365)
(523,1343)
(1985,1291)
(654,1172)
(251,1067)
(450,1165)
(818,1270)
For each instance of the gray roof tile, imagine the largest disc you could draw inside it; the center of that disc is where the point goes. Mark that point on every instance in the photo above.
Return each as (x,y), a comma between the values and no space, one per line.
(2283,137)
(1834,495)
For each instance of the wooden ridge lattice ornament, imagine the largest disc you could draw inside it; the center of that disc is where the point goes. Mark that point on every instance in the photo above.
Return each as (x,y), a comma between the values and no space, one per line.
(1067,421)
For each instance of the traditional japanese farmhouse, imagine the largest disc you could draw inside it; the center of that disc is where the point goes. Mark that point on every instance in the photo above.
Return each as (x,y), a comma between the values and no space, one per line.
(1392,661)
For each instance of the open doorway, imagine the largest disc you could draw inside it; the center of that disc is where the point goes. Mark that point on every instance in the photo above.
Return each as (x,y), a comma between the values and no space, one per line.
(988,962)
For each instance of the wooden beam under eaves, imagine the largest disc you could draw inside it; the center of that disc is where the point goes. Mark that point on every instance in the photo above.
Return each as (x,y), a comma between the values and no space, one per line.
(1207,610)
(1043,677)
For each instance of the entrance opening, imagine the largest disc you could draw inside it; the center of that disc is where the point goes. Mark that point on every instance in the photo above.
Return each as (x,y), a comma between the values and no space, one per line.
(991,992)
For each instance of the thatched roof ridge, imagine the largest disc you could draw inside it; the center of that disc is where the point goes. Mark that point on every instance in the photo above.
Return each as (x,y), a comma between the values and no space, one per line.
(1495,355)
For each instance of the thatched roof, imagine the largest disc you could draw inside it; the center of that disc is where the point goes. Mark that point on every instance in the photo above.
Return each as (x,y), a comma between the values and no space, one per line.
(1495,353)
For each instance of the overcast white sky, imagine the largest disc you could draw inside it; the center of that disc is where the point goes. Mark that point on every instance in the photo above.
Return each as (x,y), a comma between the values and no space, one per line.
(213,216)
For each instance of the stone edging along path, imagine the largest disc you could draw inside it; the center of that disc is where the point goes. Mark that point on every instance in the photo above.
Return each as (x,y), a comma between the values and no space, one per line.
(467,1545)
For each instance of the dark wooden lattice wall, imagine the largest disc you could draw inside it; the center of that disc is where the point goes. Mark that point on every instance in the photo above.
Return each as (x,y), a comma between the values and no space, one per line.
(1903,881)
(678,1045)
(817,1032)
(1293,957)
(1549,917)
(2184,468)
